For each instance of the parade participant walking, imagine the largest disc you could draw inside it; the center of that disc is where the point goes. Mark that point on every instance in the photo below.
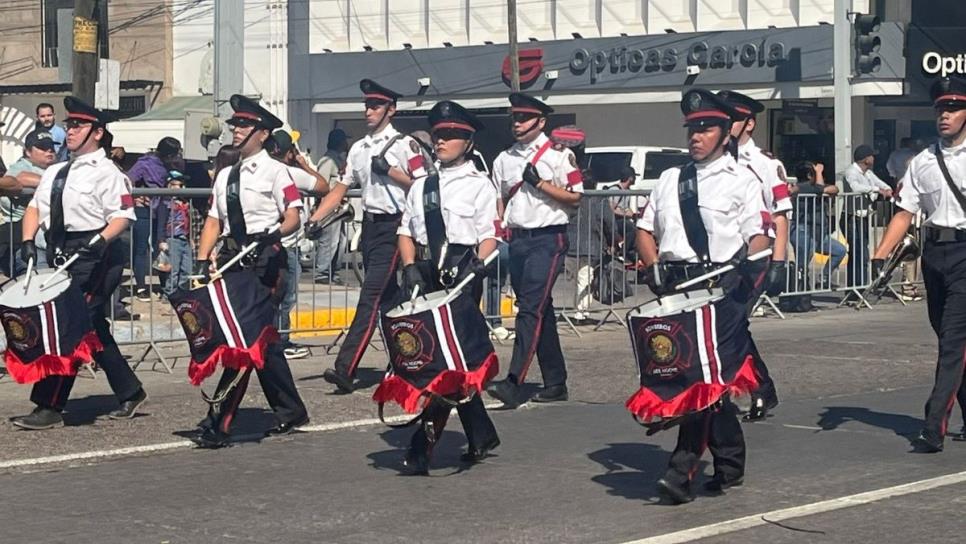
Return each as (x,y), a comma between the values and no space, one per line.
(698,218)
(933,184)
(449,219)
(84,206)
(384,164)
(253,201)
(541,184)
(771,176)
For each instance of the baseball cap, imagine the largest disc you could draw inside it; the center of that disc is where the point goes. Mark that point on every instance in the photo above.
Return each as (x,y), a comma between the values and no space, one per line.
(40,139)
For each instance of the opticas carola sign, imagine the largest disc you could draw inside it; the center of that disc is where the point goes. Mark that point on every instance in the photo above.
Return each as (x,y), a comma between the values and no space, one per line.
(700,53)
(935,63)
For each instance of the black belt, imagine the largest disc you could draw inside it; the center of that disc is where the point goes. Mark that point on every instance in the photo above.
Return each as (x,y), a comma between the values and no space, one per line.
(381,217)
(423,253)
(940,235)
(541,231)
(81,234)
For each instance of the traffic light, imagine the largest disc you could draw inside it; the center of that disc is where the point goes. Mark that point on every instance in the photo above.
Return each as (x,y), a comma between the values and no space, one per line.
(867,44)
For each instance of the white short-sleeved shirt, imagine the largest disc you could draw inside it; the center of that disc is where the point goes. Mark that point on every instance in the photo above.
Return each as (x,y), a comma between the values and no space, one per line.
(96,192)
(529,207)
(732,209)
(303,181)
(770,174)
(468,199)
(267,190)
(380,194)
(924,189)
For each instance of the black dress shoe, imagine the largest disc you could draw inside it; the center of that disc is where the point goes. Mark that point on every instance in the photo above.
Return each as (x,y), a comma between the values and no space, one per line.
(39,420)
(554,393)
(213,439)
(288,426)
(336,378)
(129,407)
(960,436)
(475,455)
(506,392)
(676,494)
(760,407)
(926,444)
(417,464)
(717,483)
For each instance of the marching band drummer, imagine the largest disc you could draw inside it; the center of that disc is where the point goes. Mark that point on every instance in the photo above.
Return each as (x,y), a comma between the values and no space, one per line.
(253,201)
(75,201)
(933,183)
(463,230)
(771,175)
(718,215)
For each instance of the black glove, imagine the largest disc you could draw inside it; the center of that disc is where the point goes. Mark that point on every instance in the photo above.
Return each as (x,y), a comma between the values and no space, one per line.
(202,270)
(777,278)
(412,278)
(94,248)
(268,238)
(28,251)
(313,230)
(530,175)
(478,267)
(877,266)
(380,166)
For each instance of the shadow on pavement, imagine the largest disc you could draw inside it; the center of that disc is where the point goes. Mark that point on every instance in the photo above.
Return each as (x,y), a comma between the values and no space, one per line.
(633,469)
(248,426)
(835,416)
(86,410)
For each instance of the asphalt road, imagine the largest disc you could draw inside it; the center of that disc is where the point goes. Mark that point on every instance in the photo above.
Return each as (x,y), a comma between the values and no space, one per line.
(832,465)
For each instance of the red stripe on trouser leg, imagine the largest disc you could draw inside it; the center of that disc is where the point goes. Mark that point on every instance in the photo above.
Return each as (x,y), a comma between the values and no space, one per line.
(237,395)
(952,397)
(543,305)
(60,383)
(364,342)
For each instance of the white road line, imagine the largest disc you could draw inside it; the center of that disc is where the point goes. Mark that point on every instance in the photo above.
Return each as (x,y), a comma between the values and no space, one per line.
(757,520)
(165,446)
(806,427)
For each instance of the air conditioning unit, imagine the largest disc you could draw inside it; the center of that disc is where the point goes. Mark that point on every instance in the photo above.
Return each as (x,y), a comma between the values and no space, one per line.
(202,134)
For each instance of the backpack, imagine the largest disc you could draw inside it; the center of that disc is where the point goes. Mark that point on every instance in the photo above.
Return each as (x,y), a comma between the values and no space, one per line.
(610,283)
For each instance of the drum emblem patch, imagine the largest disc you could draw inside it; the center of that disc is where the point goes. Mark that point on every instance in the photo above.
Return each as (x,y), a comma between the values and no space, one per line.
(196,321)
(20,329)
(412,345)
(664,348)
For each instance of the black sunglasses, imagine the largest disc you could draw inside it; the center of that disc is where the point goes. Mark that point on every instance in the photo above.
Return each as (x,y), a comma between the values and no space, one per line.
(451,134)
(76,123)
(523,117)
(243,123)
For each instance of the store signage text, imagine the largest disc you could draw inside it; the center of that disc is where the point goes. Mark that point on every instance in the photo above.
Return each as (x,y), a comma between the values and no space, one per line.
(700,53)
(934,63)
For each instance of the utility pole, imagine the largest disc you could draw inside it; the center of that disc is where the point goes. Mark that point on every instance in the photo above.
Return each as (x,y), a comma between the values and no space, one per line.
(511,7)
(229,54)
(84,61)
(842,66)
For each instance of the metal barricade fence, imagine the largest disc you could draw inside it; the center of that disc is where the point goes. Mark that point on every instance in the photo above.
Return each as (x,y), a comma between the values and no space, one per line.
(830,243)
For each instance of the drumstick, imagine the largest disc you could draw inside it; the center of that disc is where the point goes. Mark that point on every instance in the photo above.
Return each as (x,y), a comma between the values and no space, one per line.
(231,262)
(412,299)
(470,277)
(30,269)
(66,265)
(717,272)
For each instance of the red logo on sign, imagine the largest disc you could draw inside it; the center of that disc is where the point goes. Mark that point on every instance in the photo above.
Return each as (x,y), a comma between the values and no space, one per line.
(531,65)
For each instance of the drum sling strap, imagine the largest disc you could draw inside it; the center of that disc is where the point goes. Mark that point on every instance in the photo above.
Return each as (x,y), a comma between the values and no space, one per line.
(533,160)
(236,217)
(382,155)
(690,214)
(433,213)
(58,232)
(957,194)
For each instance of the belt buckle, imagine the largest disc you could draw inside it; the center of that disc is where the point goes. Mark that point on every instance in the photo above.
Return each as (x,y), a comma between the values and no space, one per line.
(60,259)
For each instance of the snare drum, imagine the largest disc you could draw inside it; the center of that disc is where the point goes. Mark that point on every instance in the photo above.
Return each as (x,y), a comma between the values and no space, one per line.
(691,348)
(49,331)
(437,345)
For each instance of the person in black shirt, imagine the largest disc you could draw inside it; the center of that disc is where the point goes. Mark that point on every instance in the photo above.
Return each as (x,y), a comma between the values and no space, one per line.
(812,225)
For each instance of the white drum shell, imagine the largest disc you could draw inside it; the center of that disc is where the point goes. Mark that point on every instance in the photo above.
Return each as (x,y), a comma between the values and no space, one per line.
(678,303)
(13,295)
(421,304)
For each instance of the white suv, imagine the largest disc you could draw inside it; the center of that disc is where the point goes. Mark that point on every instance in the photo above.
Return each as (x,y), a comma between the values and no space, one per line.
(605,163)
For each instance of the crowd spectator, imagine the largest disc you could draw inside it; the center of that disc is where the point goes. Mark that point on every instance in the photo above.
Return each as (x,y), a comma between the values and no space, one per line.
(621,204)
(47,121)
(332,167)
(38,155)
(282,148)
(863,187)
(590,235)
(177,242)
(811,228)
(150,171)
(899,159)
